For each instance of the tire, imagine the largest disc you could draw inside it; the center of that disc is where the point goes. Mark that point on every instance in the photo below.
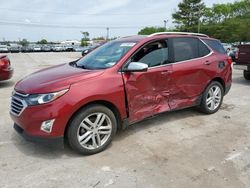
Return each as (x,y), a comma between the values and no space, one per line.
(213,105)
(246,75)
(87,137)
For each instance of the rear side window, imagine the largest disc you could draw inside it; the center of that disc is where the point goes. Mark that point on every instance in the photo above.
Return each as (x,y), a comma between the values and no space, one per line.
(215,45)
(203,49)
(185,48)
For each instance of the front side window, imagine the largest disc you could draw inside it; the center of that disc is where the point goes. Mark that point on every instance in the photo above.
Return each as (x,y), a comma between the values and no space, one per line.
(105,56)
(153,54)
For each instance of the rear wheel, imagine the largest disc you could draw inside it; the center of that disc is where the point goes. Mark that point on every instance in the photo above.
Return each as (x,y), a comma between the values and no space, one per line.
(212,98)
(246,75)
(92,129)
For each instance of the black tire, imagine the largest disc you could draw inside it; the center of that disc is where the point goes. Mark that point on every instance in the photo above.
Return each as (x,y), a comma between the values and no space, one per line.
(73,130)
(246,75)
(204,106)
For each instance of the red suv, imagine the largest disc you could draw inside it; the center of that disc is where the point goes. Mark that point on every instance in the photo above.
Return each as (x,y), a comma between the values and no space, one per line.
(118,84)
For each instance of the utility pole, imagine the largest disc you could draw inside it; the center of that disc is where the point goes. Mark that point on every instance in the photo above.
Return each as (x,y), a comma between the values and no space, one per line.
(107,33)
(199,21)
(165,24)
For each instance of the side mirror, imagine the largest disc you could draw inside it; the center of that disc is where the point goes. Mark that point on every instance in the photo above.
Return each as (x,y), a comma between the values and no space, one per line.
(136,67)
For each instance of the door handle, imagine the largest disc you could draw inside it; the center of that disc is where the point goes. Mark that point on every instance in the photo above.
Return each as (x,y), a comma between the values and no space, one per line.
(207,63)
(165,72)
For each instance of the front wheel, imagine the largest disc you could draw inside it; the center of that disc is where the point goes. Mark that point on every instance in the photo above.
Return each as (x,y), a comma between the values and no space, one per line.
(212,98)
(92,129)
(246,75)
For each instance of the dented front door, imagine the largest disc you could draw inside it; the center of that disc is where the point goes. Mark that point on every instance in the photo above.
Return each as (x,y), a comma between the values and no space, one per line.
(147,92)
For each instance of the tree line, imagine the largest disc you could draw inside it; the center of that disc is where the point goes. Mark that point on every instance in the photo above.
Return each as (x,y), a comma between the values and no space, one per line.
(229,22)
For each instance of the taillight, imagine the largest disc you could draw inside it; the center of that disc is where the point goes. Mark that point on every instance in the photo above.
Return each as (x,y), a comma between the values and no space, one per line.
(229,61)
(4,62)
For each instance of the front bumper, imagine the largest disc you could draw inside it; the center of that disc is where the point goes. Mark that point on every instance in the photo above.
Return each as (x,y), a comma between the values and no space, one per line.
(57,142)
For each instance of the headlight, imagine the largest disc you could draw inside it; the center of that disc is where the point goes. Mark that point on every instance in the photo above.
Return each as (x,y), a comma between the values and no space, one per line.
(36,99)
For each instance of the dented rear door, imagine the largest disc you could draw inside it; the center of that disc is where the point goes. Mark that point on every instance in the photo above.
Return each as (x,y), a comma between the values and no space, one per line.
(147,92)
(191,70)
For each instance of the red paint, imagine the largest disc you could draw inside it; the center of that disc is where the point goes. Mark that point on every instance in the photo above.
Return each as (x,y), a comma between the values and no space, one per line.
(160,89)
(6,70)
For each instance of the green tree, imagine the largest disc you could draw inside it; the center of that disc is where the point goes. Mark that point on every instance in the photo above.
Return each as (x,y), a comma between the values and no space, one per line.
(151,30)
(43,41)
(188,15)
(85,38)
(24,42)
(228,22)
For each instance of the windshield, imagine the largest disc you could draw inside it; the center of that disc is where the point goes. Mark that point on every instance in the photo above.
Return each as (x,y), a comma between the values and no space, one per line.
(105,56)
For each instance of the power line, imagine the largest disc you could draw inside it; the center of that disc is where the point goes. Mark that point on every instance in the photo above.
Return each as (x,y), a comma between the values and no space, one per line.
(14,23)
(75,13)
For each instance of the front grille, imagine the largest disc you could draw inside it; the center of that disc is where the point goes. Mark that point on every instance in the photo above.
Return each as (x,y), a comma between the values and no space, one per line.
(18,103)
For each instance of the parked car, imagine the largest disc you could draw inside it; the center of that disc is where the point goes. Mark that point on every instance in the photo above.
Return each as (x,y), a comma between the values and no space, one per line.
(14,48)
(46,48)
(26,49)
(57,48)
(4,49)
(90,49)
(79,48)
(6,71)
(37,48)
(243,60)
(118,84)
(232,53)
(68,48)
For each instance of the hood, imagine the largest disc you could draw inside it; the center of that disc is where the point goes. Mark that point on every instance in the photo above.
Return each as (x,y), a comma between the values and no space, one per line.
(54,79)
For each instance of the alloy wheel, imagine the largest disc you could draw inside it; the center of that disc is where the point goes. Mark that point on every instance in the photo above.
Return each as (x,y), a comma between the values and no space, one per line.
(94,131)
(214,97)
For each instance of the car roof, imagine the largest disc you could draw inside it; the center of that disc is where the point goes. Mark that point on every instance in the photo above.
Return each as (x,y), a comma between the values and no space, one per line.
(140,38)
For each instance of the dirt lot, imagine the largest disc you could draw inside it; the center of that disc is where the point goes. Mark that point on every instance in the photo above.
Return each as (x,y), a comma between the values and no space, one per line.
(177,149)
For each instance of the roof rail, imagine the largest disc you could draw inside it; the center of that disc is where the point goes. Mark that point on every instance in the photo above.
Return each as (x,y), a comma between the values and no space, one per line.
(178,33)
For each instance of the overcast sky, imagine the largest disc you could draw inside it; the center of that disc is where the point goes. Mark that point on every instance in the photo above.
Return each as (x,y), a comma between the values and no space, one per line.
(58,20)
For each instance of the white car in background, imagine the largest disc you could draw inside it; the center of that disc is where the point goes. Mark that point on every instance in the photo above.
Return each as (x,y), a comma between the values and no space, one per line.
(4,49)
(58,48)
(37,49)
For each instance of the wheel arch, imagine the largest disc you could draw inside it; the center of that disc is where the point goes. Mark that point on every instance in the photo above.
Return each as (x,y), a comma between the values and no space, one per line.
(107,104)
(221,81)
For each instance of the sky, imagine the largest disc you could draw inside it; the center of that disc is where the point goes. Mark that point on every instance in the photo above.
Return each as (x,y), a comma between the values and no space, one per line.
(57,20)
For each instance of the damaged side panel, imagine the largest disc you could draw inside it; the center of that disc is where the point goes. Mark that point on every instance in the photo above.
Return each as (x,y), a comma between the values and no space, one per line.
(147,92)
(189,80)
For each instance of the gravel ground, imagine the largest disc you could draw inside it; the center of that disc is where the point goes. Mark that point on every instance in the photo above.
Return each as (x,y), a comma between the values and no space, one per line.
(176,149)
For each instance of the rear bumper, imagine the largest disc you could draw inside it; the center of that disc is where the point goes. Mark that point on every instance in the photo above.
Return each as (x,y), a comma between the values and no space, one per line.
(56,142)
(242,67)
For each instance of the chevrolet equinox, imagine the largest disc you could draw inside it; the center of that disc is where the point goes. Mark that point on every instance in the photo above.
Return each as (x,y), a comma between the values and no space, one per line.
(118,84)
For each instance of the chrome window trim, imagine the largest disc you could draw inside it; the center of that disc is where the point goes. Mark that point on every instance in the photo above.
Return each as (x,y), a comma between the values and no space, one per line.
(185,61)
